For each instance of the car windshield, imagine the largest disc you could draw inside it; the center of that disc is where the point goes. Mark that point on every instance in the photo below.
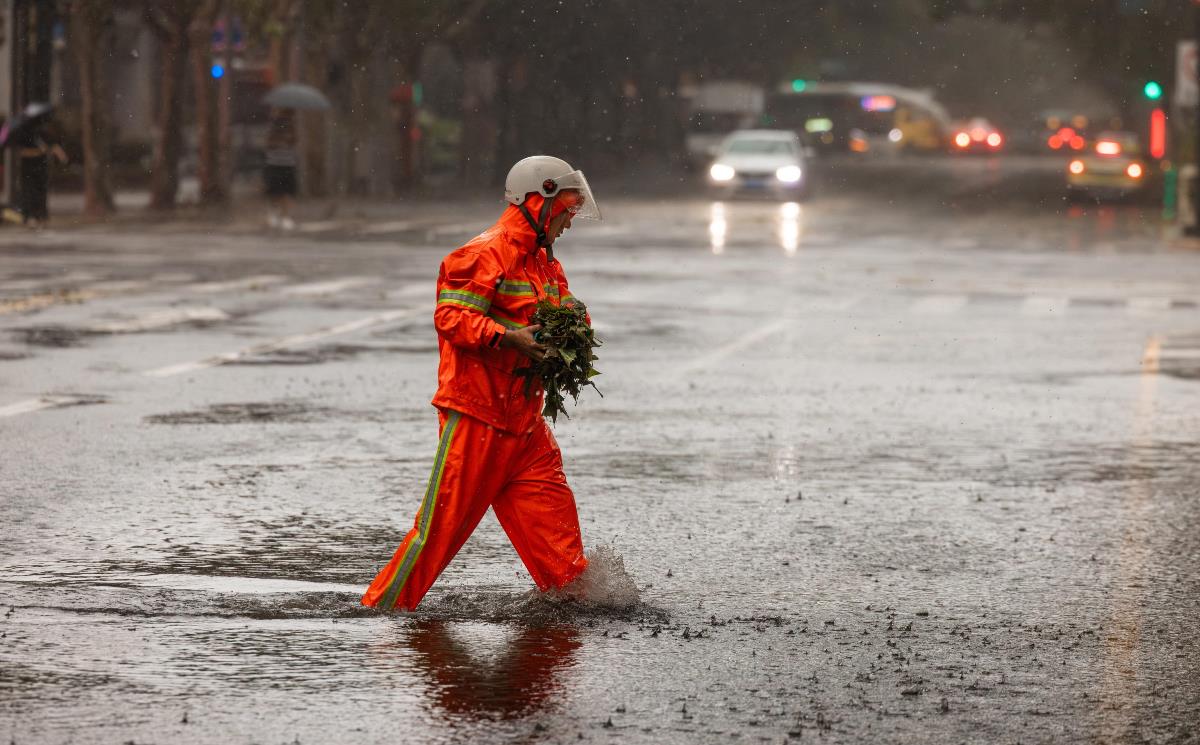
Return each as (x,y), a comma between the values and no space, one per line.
(760,147)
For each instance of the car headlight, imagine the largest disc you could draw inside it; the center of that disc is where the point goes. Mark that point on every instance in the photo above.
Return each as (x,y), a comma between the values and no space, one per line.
(721,172)
(788,174)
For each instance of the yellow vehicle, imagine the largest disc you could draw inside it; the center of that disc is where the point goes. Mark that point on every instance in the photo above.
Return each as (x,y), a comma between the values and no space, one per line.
(919,130)
(1114,167)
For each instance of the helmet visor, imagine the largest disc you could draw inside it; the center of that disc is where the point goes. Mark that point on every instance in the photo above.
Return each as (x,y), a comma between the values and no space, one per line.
(577,196)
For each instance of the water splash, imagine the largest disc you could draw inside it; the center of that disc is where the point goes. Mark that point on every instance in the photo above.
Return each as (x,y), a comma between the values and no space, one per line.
(605,584)
(605,590)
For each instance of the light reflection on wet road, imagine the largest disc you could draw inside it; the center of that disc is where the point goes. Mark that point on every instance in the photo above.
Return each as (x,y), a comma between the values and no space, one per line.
(880,475)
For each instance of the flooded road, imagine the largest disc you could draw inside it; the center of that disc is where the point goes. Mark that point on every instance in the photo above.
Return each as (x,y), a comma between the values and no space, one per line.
(879,473)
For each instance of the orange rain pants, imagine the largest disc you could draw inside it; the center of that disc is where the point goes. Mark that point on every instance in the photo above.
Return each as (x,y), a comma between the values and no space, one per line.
(520,476)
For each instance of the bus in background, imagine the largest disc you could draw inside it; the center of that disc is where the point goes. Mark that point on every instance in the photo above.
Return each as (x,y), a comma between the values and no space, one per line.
(714,110)
(860,117)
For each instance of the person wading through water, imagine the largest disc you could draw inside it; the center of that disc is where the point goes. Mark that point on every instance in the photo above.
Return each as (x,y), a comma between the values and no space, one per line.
(496,450)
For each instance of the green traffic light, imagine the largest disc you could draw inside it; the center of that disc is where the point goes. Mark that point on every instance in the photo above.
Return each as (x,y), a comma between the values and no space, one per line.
(799,85)
(1153,90)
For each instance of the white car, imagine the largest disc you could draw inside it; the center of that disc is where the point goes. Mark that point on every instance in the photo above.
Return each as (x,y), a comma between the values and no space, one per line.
(766,161)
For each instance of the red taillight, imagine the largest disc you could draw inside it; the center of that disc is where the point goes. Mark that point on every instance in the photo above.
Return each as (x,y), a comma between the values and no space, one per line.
(962,139)
(1055,142)
(1076,167)
(994,139)
(1134,170)
(1108,147)
(1077,143)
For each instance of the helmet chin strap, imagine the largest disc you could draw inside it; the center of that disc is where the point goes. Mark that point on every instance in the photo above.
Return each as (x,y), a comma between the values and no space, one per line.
(539,225)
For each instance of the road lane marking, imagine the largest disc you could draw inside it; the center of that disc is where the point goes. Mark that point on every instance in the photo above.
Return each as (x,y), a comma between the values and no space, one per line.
(456,228)
(833,303)
(329,287)
(1042,305)
(46,402)
(1172,353)
(939,304)
(245,283)
(286,342)
(1147,305)
(161,319)
(319,226)
(737,345)
(393,226)
(413,289)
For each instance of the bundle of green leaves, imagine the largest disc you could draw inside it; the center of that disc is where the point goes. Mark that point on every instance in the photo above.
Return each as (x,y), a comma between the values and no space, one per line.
(567,366)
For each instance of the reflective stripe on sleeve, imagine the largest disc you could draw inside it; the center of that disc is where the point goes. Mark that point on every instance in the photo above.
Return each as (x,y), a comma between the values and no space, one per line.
(505,322)
(465,299)
(515,288)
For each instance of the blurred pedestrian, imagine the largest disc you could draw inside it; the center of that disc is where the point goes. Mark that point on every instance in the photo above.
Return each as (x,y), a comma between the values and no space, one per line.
(279,169)
(35,149)
(496,449)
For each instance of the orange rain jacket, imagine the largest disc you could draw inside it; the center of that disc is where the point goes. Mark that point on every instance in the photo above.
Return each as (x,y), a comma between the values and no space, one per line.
(485,288)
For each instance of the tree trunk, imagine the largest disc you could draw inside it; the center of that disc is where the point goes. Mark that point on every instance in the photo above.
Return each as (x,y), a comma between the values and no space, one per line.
(170,22)
(281,28)
(406,173)
(208,170)
(314,136)
(92,27)
(477,150)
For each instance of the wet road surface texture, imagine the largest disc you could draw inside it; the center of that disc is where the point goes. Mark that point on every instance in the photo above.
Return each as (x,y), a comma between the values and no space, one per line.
(880,469)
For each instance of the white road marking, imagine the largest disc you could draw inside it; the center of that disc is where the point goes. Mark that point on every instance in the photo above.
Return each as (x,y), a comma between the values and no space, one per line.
(1147,305)
(412,290)
(47,283)
(116,286)
(160,319)
(456,228)
(835,302)
(1041,305)
(736,345)
(319,226)
(393,226)
(1171,353)
(286,342)
(329,287)
(245,283)
(43,402)
(939,304)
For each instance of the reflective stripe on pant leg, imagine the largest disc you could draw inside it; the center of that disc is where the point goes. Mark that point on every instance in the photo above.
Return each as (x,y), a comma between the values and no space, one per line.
(431,493)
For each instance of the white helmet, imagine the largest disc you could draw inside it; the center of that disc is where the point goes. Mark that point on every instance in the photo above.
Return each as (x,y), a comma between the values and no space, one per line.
(547,175)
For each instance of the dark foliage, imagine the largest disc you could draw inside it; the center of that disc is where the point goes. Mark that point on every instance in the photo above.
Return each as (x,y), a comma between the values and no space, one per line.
(567,366)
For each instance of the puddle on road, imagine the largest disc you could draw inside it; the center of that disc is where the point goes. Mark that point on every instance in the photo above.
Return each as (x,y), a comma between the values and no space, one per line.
(289,412)
(607,591)
(53,336)
(329,353)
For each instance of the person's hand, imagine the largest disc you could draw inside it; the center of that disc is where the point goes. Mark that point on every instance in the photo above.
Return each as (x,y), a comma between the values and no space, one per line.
(522,340)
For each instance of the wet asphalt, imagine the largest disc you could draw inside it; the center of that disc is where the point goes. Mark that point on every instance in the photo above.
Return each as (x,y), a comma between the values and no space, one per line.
(910,465)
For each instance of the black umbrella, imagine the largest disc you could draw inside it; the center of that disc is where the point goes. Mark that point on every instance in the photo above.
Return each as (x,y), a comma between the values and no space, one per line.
(22,128)
(296,96)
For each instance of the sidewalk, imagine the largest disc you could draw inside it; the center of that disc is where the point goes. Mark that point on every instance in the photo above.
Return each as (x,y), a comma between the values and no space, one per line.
(248,210)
